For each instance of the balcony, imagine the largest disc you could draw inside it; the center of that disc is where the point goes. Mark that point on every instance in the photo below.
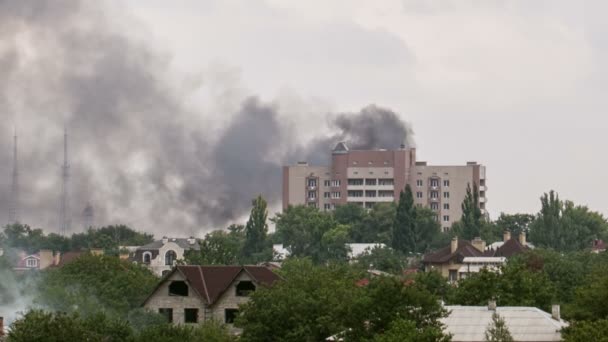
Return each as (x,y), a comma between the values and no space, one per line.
(312,187)
(312,199)
(482,200)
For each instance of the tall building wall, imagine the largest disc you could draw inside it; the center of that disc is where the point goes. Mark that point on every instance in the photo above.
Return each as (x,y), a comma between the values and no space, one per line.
(376,176)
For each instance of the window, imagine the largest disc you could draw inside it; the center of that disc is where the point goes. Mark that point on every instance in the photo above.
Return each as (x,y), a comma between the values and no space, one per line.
(335,194)
(386,193)
(355,181)
(31,262)
(168,313)
(369,205)
(355,193)
(370,181)
(191,315)
(312,182)
(434,194)
(326,182)
(178,288)
(230,315)
(419,182)
(453,276)
(446,194)
(147,257)
(312,204)
(446,229)
(327,206)
(419,194)
(385,181)
(434,182)
(446,206)
(446,218)
(312,194)
(434,206)
(170,258)
(370,193)
(419,205)
(244,288)
(446,183)
(335,183)
(326,195)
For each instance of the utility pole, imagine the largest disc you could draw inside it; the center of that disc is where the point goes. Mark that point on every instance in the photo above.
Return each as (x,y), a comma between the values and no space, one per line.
(65,217)
(13,214)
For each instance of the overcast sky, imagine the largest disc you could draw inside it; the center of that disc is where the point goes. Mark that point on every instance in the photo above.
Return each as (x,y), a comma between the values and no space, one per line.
(179,112)
(519,86)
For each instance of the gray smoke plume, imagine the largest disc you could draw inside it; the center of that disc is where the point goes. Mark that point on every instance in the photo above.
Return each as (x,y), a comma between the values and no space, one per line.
(138,153)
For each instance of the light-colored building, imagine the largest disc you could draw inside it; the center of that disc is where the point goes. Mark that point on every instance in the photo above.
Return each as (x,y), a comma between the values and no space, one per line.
(160,256)
(355,250)
(475,264)
(469,323)
(367,177)
(193,294)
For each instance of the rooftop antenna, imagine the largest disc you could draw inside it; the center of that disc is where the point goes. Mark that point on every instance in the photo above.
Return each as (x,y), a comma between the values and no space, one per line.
(65,193)
(13,214)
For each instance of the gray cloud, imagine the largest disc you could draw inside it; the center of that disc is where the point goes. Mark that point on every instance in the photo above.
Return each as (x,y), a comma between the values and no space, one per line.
(138,154)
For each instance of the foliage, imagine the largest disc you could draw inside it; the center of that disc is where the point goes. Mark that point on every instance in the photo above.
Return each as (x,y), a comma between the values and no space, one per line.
(591,297)
(404,226)
(586,331)
(256,230)
(219,248)
(312,303)
(433,282)
(402,330)
(375,226)
(383,259)
(301,229)
(92,283)
(470,224)
(565,227)
(497,331)
(515,223)
(37,325)
(208,331)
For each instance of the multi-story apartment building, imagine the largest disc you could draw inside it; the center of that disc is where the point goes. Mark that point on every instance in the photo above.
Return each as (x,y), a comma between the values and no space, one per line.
(367,177)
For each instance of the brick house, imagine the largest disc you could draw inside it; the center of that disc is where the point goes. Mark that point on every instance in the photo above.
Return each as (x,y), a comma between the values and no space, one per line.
(192,294)
(160,256)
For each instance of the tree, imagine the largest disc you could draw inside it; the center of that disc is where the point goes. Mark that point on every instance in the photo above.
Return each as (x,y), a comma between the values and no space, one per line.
(402,330)
(219,248)
(427,229)
(497,331)
(384,259)
(470,224)
(515,223)
(301,229)
(92,283)
(312,302)
(376,225)
(256,229)
(404,226)
(591,296)
(565,227)
(586,331)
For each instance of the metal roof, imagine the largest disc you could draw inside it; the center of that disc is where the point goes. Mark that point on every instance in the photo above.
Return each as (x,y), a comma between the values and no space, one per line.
(467,260)
(469,323)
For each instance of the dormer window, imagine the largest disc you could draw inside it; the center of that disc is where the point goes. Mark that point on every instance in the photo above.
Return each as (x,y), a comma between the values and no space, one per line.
(31,262)
(244,288)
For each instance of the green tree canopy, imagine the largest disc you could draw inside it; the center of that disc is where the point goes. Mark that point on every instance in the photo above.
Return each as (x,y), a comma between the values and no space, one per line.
(497,330)
(256,230)
(404,226)
(219,248)
(471,222)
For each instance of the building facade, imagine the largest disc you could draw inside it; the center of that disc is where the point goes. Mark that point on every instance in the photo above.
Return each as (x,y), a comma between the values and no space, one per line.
(367,177)
(160,256)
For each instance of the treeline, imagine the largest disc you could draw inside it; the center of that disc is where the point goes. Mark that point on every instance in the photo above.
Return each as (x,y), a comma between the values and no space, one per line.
(109,238)
(408,229)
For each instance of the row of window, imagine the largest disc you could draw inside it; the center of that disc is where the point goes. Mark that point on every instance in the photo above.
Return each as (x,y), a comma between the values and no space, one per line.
(191,315)
(371,162)
(433,194)
(433,182)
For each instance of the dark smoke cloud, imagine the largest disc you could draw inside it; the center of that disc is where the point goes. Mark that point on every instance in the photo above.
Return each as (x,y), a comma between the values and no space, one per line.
(138,154)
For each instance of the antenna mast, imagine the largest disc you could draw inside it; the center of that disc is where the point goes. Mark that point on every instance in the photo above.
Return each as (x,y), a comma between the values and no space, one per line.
(65,194)
(13,214)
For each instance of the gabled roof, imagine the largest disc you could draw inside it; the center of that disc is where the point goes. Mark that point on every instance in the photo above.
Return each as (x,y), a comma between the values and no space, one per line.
(183,243)
(340,147)
(465,249)
(510,248)
(210,282)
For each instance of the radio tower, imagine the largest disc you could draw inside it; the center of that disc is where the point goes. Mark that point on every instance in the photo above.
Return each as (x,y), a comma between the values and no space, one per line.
(65,193)
(13,213)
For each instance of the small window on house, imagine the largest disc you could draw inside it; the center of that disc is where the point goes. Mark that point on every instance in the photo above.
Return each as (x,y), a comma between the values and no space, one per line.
(244,288)
(147,257)
(31,262)
(191,315)
(170,258)
(230,315)
(167,313)
(178,288)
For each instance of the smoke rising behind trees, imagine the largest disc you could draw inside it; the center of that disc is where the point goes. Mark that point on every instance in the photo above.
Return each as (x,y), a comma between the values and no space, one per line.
(140,153)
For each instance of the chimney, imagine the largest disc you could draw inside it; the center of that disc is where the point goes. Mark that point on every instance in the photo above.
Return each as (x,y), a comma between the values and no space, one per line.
(492,305)
(46,258)
(506,236)
(555,312)
(454,245)
(165,240)
(479,244)
(57,258)
(1,327)
(522,238)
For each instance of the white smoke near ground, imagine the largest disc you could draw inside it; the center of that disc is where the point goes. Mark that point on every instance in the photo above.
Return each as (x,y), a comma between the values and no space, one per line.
(141,153)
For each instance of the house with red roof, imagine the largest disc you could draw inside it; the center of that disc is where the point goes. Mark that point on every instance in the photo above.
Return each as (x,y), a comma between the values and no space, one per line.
(192,294)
